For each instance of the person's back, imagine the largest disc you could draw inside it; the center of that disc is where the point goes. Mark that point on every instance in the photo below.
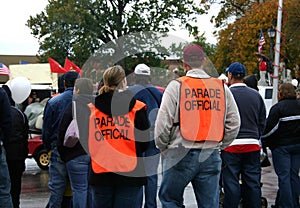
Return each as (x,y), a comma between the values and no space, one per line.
(198,115)
(76,158)
(144,91)
(242,157)
(118,135)
(282,136)
(5,129)
(53,113)
(17,152)
(251,106)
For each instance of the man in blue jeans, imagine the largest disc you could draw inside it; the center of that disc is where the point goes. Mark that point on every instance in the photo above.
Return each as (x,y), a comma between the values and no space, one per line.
(5,129)
(144,91)
(242,157)
(197,116)
(52,115)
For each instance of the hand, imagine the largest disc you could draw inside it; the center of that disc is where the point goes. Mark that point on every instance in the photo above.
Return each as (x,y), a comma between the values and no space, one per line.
(164,153)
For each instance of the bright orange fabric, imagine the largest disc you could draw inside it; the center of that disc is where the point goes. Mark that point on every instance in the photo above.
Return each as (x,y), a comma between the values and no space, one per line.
(111,141)
(202,109)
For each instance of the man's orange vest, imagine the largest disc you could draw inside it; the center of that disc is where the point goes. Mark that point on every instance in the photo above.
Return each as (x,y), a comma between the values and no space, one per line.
(112,141)
(202,109)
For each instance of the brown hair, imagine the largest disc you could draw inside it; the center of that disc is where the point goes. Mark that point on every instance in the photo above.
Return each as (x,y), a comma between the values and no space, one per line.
(286,91)
(112,77)
(84,85)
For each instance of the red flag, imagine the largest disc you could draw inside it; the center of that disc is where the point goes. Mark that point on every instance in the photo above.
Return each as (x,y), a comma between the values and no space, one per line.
(4,70)
(56,67)
(69,65)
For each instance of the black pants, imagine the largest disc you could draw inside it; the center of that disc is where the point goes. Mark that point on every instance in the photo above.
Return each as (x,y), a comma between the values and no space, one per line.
(16,169)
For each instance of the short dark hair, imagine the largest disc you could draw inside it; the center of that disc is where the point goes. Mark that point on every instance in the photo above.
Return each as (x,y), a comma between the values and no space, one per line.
(69,83)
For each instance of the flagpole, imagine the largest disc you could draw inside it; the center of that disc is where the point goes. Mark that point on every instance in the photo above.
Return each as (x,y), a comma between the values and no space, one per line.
(277,53)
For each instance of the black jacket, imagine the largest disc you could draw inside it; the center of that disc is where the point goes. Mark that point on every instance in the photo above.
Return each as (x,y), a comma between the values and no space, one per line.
(17,145)
(283,124)
(118,104)
(5,117)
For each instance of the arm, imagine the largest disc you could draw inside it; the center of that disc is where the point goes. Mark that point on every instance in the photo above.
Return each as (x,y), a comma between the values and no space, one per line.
(5,117)
(63,124)
(166,114)
(142,134)
(232,119)
(47,126)
(271,122)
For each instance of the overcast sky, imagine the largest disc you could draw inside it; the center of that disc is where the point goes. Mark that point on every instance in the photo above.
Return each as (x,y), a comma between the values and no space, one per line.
(15,37)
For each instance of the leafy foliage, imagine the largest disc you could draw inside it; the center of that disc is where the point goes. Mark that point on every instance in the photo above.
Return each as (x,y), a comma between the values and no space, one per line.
(239,41)
(76,29)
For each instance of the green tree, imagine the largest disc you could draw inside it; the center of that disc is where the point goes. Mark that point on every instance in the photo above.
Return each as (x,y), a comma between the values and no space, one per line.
(76,29)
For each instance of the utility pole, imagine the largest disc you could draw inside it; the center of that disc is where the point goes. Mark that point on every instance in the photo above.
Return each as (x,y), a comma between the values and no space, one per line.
(277,53)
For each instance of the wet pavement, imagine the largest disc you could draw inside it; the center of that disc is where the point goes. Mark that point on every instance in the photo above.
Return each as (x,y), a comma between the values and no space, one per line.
(35,191)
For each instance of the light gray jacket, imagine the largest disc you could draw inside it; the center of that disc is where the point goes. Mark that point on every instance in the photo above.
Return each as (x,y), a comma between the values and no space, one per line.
(168,136)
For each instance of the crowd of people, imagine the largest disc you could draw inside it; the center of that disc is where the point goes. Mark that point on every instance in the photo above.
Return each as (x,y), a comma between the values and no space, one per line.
(204,131)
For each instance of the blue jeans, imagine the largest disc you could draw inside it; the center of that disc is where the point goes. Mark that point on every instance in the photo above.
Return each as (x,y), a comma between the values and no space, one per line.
(200,167)
(5,198)
(244,166)
(151,161)
(114,196)
(286,161)
(78,171)
(58,179)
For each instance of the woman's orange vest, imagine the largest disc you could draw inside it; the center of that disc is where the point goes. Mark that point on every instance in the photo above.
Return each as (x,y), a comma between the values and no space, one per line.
(202,109)
(112,141)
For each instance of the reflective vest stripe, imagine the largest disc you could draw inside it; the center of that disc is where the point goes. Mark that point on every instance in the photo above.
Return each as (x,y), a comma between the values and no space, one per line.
(202,109)
(112,141)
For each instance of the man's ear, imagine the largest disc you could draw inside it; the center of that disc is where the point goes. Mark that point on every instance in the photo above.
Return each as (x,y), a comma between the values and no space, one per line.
(186,66)
(65,84)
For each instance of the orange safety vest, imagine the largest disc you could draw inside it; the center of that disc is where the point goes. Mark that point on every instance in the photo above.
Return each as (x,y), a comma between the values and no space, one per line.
(111,140)
(202,109)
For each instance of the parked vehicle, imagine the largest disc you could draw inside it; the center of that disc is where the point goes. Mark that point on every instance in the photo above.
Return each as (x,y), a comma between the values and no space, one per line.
(44,85)
(37,150)
(266,92)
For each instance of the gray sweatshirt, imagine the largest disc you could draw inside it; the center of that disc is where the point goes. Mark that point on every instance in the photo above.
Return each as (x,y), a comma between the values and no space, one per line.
(168,136)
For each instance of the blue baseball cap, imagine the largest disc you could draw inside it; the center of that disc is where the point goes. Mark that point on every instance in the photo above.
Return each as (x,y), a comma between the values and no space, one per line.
(237,68)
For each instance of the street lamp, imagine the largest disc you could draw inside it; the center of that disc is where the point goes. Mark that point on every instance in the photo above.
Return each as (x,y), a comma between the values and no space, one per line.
(271,34)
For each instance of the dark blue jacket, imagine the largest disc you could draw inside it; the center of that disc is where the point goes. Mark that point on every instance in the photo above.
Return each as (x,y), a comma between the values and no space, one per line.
(5,117)
(53,113)
(252,108)
(149,95)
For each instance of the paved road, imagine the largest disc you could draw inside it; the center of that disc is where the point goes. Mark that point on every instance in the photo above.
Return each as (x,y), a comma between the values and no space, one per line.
(35,187)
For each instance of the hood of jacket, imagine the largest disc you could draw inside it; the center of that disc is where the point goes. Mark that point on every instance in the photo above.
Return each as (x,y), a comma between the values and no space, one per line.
(84,99)
(115,103)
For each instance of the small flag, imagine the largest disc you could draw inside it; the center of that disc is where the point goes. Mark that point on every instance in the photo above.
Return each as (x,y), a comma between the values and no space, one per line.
(261,42)
(56,67)
(69,65)
(4,70)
